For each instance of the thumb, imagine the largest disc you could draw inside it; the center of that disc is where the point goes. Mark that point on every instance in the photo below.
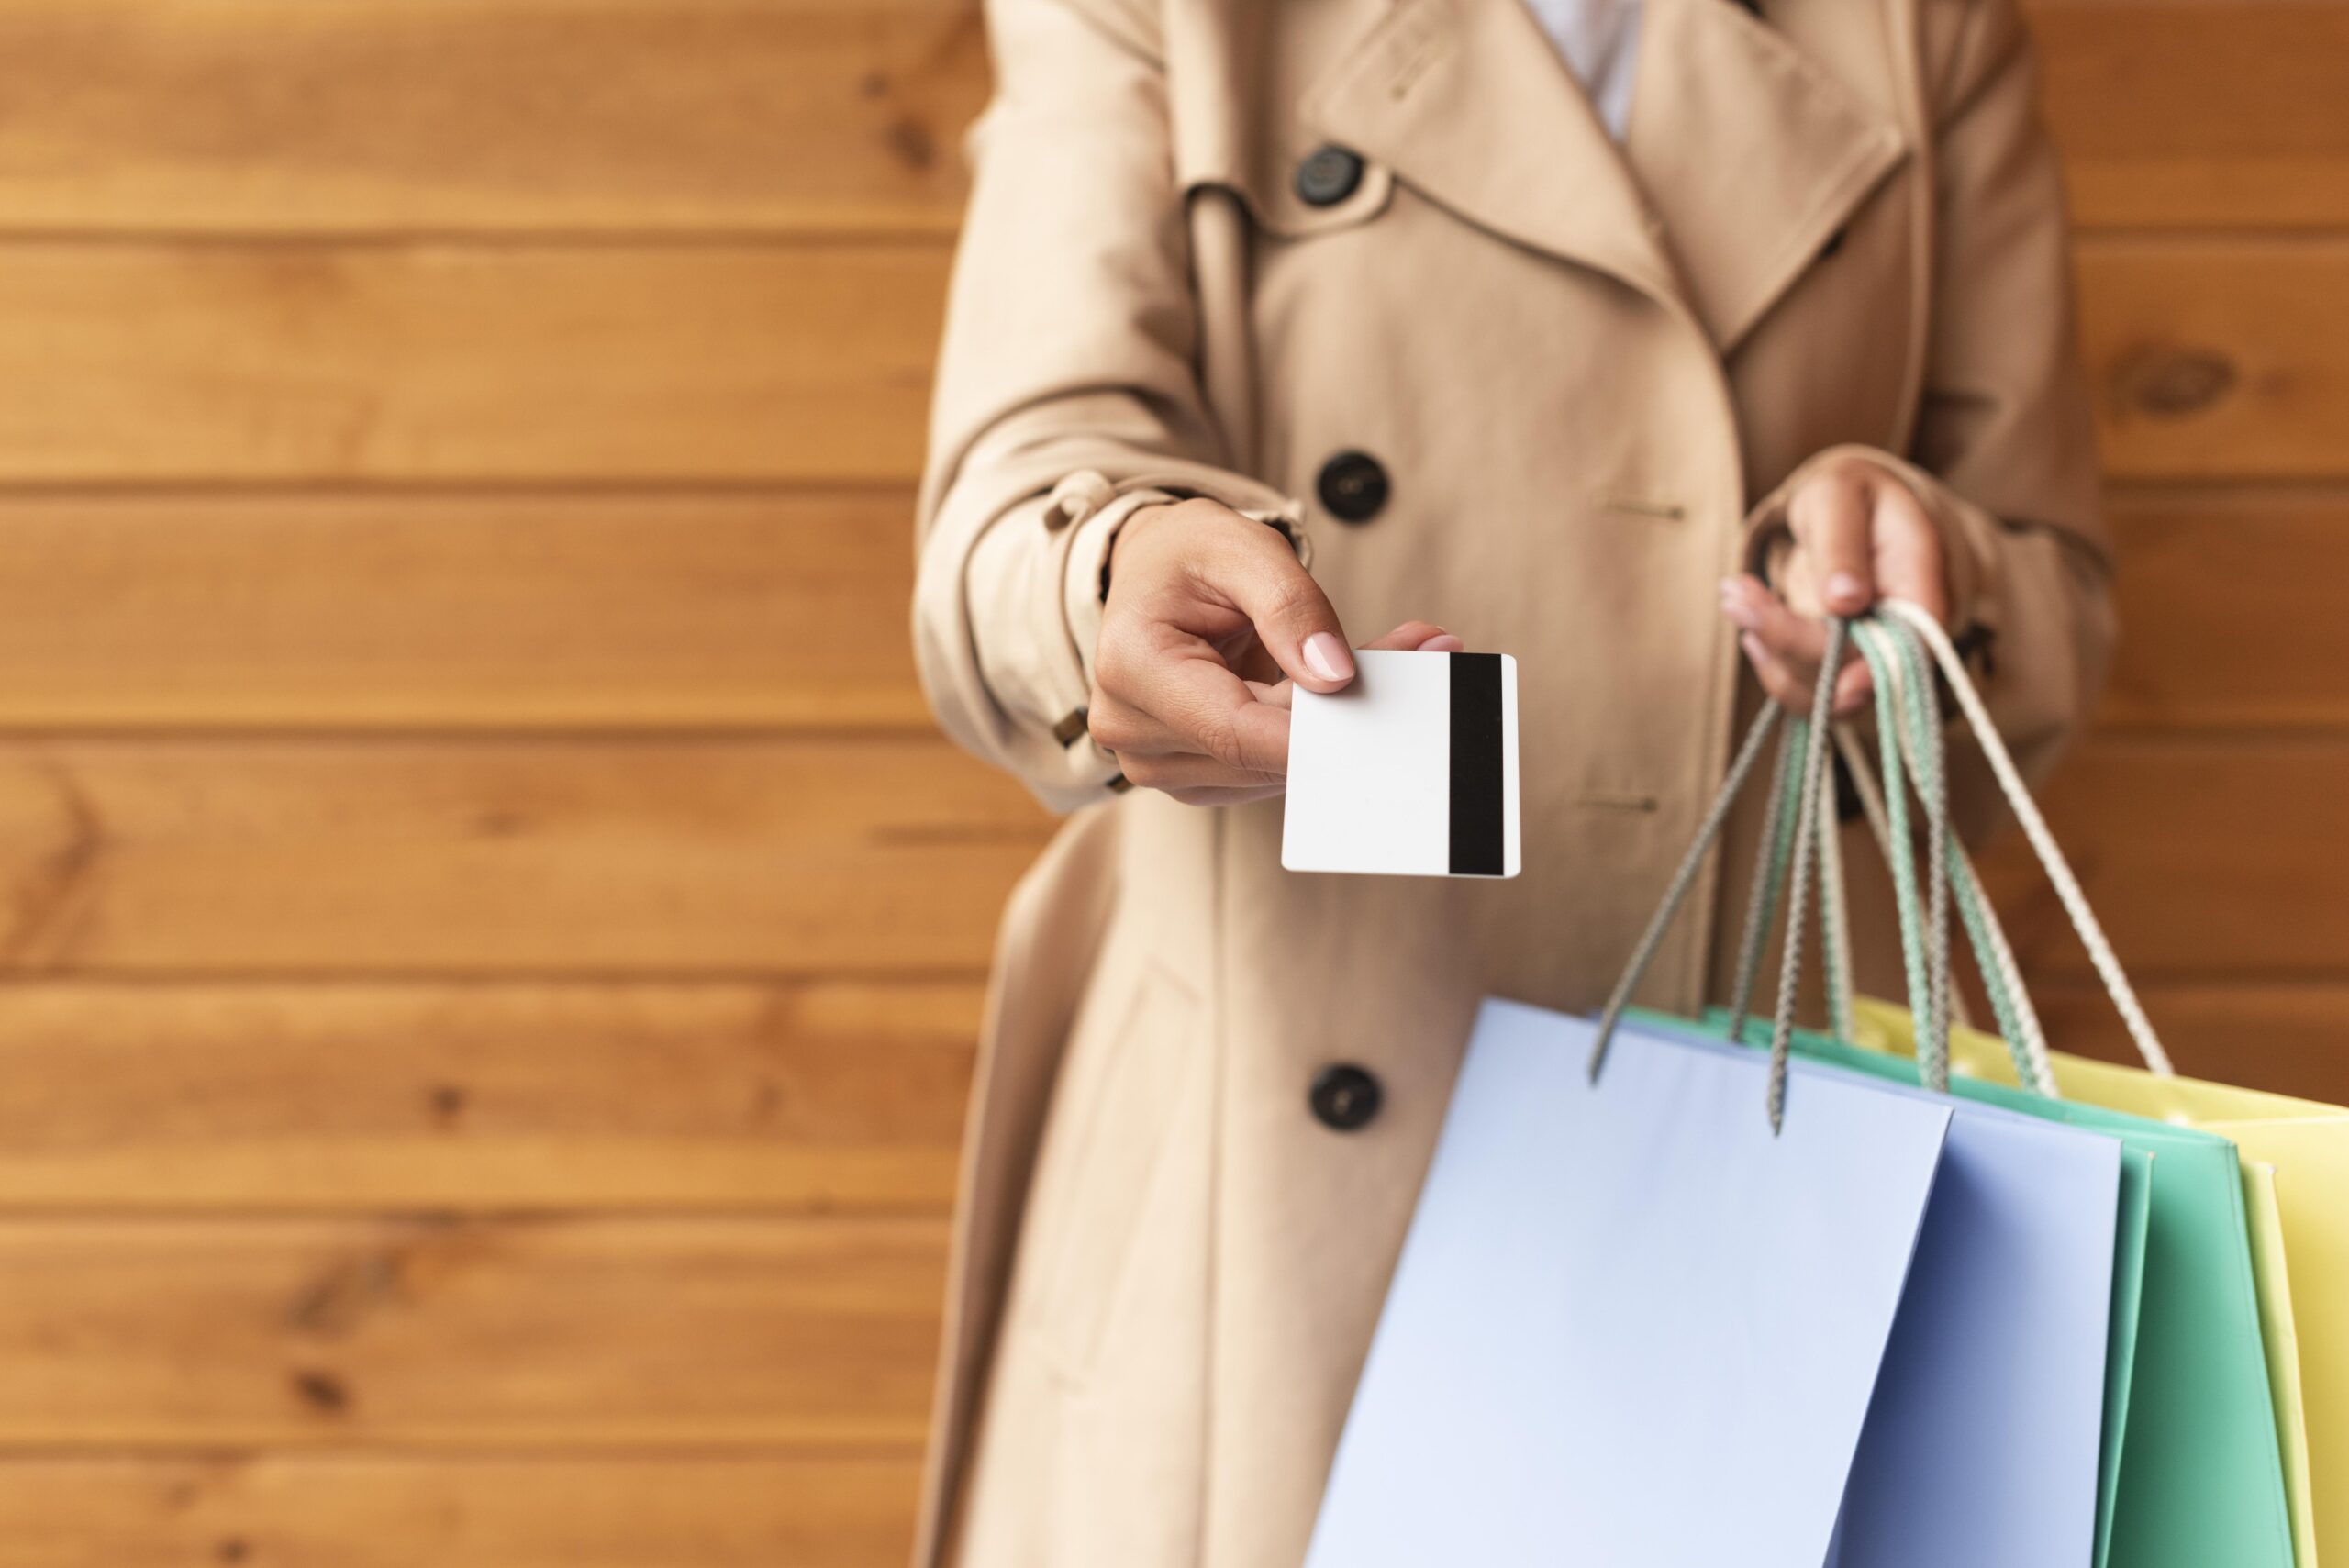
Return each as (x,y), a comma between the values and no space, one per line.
(1292,616)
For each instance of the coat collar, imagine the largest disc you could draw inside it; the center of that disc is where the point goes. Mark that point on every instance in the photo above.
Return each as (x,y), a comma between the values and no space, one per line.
(1743,158)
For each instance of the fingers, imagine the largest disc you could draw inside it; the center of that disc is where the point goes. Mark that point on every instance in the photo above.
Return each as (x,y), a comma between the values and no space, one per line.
(1860,533)
(1420,636)
(1209,626)
(1760,614)
(1207,751)
(1181,700)
(1412,635)
(1835,565)
(1909,551)
(1190,772)
(1784,650)
(1122,726)
(1254,568)
(1794,686)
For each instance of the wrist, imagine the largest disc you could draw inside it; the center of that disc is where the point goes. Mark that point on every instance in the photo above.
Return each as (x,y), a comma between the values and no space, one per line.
(1142,519)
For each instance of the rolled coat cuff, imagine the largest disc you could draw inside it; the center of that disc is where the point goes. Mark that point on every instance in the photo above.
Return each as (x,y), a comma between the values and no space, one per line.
(1969,535)
(1029,595)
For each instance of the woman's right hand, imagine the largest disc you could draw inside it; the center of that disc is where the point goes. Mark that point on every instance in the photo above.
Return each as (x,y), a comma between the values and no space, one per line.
(1208,612)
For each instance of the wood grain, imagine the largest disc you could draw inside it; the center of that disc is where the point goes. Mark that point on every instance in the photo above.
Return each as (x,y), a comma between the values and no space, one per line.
(579,1334)
(325,1510)
(2204,859)
(487,116)
(782,611)
(485,1098)
(581,611)
(731,858)
(315,362)
(631,116)
(2290,1039)
(2218,359)
(560,857)
(2177,114)
(318,363)
(2230,609)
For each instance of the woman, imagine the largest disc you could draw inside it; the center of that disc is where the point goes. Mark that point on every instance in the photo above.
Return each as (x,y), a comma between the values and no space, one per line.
(1547,323)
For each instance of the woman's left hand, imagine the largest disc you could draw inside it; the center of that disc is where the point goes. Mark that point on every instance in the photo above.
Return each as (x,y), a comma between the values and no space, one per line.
(1860,534)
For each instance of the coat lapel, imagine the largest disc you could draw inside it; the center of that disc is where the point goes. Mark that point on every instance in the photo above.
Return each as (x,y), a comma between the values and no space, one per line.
(1743,158)
(1752,153)
(1467,101)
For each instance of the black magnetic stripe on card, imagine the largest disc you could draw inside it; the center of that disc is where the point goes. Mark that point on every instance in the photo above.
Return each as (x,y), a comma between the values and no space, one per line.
(1476,814)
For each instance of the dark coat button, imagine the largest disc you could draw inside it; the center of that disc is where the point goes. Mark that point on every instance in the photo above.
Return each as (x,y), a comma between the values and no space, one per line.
(1327,176)
(1352,487)
(1344,1097)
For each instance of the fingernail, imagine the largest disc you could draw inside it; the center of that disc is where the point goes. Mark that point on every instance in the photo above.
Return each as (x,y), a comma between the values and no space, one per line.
(1848,590)
(1739,612)
(1753,646)
(1327,658)
(1447,643)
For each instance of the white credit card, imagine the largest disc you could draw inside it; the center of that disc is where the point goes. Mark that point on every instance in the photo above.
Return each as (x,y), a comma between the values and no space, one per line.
(1411,771)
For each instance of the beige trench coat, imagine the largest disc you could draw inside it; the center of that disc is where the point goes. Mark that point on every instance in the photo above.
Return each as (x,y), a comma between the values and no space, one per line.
(1587,372)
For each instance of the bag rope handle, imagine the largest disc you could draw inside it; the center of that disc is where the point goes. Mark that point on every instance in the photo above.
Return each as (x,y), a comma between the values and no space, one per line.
(1814,769)
(1834,914)
(1896,662)
(1769,871)
(2034,826)
(1683,877)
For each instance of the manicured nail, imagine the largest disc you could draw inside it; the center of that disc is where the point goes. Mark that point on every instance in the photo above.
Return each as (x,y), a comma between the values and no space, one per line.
(1847,590)
(1740,611)
(1327,658)
(1447,643)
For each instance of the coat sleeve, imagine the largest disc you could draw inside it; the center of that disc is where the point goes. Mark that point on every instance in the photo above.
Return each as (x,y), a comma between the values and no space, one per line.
(1068,389)
(2004,455)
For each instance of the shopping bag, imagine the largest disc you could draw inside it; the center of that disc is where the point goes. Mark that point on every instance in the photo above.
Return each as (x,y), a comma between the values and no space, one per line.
(1991,1460)
(2202,1477)
(2293,1138)
(1616,1282)
(2279,1328)
(1949,1524)
(1618,1295)
(2121,1340)
(2312,1160)
(2000,1348)
(2196,1476)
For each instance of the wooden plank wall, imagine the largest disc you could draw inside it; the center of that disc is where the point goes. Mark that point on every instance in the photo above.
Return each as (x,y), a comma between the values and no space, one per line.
(491,945)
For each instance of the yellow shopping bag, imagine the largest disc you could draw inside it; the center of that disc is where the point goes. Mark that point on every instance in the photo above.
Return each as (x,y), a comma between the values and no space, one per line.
(2305,1144)
(2279,1332)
